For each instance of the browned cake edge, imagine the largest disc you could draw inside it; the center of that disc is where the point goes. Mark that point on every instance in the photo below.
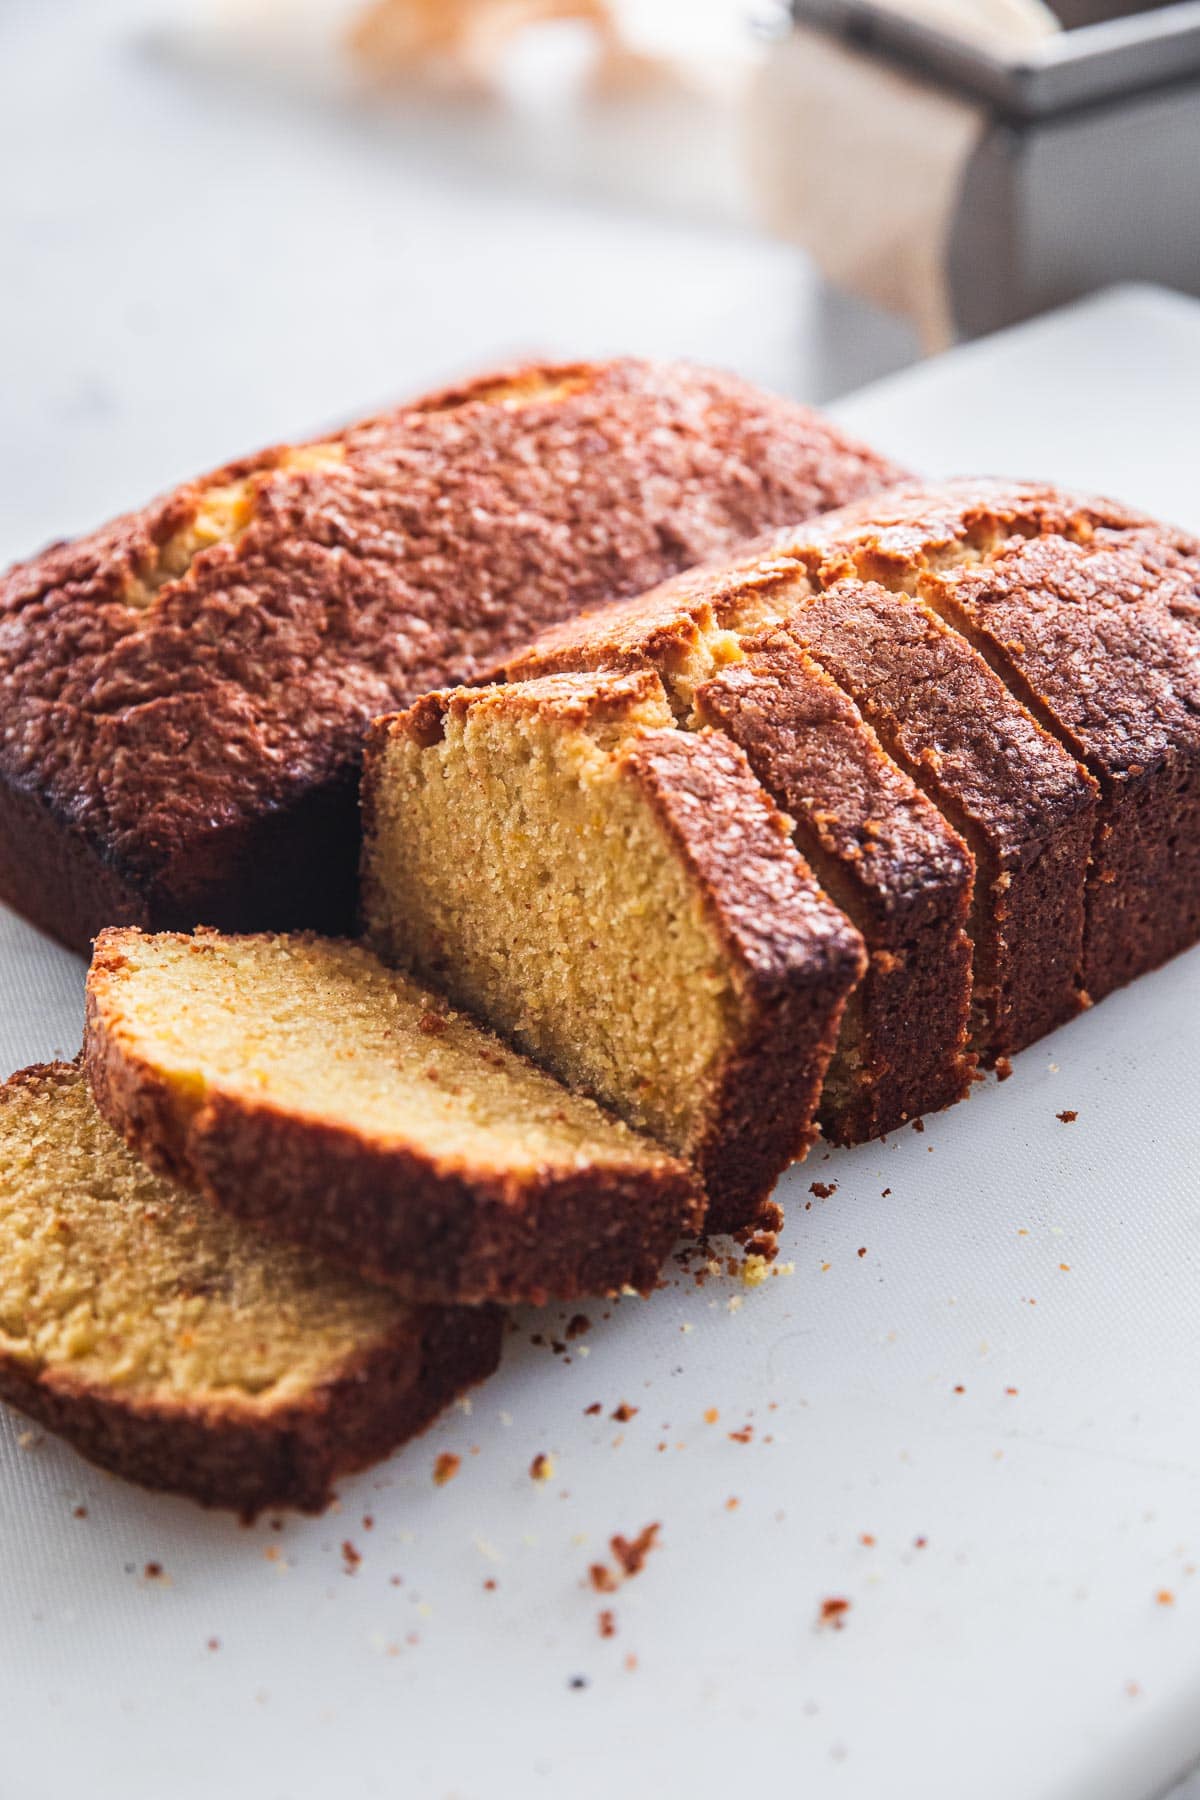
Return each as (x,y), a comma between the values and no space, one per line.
(800,956)
(903,1047)
(222,1456)
(436,1234)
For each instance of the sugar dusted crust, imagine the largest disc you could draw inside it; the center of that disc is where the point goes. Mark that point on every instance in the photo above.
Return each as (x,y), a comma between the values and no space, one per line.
(185,690)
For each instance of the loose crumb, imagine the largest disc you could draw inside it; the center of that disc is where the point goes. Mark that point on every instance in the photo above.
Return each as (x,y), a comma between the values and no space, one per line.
(446,1467)
(822,1189)
(490,1584)
(432,1024)
(885,1193)
(590,1411)
(1011,1390)
(542,1467)
(577,1325)
(214,1643)
(1004,1068)
(154,1571)
(711,1415)
(624,1412)
(602,1578)
(744,1436)
(351,1557)
(632,1553)
(1165,1597)
(918,1124)
(80,1512)
(1067,1117)
(832,1615)
(960,1389)
(607,1622)
(631,1662)
(862,1250)
(919,1543)
(577,1681)
(865,1537)
(732,1504)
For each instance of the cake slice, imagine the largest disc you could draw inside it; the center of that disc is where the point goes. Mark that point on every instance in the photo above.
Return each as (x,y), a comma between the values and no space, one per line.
(622,899)
(179,1349)
(1020,801)
(879,847)
(340,1105)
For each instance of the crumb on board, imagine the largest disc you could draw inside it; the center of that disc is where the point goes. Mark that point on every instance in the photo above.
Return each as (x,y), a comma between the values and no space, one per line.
(744,1435)
(351,1557)
(711,1415)
(823,1190)
(631,1553)
(1067,1116)
(154,1571)
(577,1324)
(918,1124)
(542,1467)
(446,1466)
(214,1643)
(624,1412)
(607,1623)
(592,1410)
(80,1512)
(1004,1068)
(732,1504)
(1164,1597)
(862,1249)
(832,1614)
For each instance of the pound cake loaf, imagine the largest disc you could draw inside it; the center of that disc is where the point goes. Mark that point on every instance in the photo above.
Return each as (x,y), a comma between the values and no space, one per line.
(339,1105)
(183,693)
(177,1348)
(879,847)
(622,900)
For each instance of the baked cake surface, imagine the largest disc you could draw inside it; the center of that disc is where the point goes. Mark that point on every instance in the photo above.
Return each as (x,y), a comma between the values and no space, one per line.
(174,1346)
(184,691)
(341,1105)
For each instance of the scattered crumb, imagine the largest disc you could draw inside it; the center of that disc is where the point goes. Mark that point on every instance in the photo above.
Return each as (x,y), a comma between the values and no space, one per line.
(432,1024)
(754,1270)
(686,1329)
(607,1623)
(732,1504)
(590,1411)
(1067,1117)
(368,1523)
(80,1512)
(1011,1390)
(490,1584)
(823,1189)
(825,1268)
(918,1124)
(1004,1068)
(214,1643)
(866,1538)
(154,1571)
(919,1543)
(577,1325)
(735,1301)
(632,1553)
(1133,1689)
(832,1615)
(624,1412)
(1165,1597)
(603,1579)
(631,1662)
(542,1467)
(351,1557)
(885,1193)
(960,1389)
(711,1415)
(577,1682)
(446,1467)
(862,1250)
(1065,1267)
(744,1436)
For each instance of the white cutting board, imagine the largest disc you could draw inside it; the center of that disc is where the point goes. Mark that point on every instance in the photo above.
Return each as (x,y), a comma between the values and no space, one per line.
(1004,1639)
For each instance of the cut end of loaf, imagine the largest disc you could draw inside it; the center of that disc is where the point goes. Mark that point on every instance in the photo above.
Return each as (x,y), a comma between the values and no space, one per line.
(630,910)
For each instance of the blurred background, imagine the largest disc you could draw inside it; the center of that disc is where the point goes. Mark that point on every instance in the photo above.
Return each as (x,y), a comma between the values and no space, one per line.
(227,221)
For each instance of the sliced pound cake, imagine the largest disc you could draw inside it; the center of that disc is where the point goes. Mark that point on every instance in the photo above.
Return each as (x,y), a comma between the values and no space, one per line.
(1087,612)
(622,900)
(878,845)
(340,1105)
(181,1350)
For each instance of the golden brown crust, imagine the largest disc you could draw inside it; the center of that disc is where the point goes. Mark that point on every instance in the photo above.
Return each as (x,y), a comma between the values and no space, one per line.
(248,1458)
(198,737)
(436,1232)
